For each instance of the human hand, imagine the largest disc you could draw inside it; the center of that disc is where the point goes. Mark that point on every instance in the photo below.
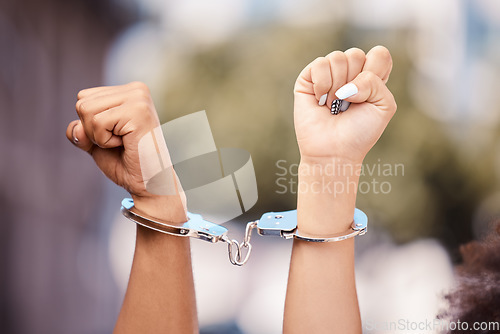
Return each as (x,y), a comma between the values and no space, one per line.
(351,134)
(112,121)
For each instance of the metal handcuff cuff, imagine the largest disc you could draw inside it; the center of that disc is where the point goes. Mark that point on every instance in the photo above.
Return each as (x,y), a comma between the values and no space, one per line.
(283,224)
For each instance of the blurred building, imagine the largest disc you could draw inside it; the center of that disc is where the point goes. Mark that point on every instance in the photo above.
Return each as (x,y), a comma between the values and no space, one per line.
(55,275)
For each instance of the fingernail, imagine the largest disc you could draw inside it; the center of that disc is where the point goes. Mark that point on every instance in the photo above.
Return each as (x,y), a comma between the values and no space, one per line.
(75,140)
(335,108)
(344,105)
(322,99)
(346,91)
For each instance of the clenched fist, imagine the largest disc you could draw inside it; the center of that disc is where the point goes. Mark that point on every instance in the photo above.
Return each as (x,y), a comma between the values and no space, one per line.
(354,77)
(112,121)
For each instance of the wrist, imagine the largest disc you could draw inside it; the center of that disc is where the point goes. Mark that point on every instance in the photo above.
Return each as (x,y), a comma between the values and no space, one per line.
(327,163)
(169,208)
(327,189)
(330,177)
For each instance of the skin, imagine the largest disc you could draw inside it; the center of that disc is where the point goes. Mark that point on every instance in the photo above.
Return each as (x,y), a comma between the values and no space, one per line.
(321,293)
(160,295)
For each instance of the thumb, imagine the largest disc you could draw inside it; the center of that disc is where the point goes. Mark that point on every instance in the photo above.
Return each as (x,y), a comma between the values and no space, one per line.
(368,87)
(76,135)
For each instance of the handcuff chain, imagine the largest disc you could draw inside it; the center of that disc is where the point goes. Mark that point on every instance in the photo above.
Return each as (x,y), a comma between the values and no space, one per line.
(233,245)
(248,232)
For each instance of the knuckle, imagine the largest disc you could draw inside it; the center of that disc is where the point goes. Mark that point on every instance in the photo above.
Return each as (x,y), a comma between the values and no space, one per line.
(367,76)
(78,105)
(356,53)
(142,106)
(81,107)
(316,63)
(393,105)
(390,104)
(336,56)
(95,121)
(141,94)
(81,94)
(383,53)
(140,86)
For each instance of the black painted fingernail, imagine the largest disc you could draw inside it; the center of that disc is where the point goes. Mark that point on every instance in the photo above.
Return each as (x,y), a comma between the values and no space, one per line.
(335,108)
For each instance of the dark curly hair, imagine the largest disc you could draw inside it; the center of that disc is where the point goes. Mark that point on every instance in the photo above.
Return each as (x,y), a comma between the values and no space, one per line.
(476,298)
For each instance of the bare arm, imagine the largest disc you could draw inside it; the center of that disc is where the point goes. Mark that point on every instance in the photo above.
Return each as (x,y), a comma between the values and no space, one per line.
(160,295)
(321,294)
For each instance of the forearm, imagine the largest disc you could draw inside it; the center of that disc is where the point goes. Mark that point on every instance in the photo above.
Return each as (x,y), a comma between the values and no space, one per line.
(160,295)
(321,293)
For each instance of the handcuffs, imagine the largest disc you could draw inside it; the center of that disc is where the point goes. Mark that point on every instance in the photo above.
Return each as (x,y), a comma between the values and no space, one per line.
(283,224)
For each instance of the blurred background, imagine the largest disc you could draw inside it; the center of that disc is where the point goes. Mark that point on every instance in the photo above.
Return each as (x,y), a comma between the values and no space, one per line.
(431,183)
